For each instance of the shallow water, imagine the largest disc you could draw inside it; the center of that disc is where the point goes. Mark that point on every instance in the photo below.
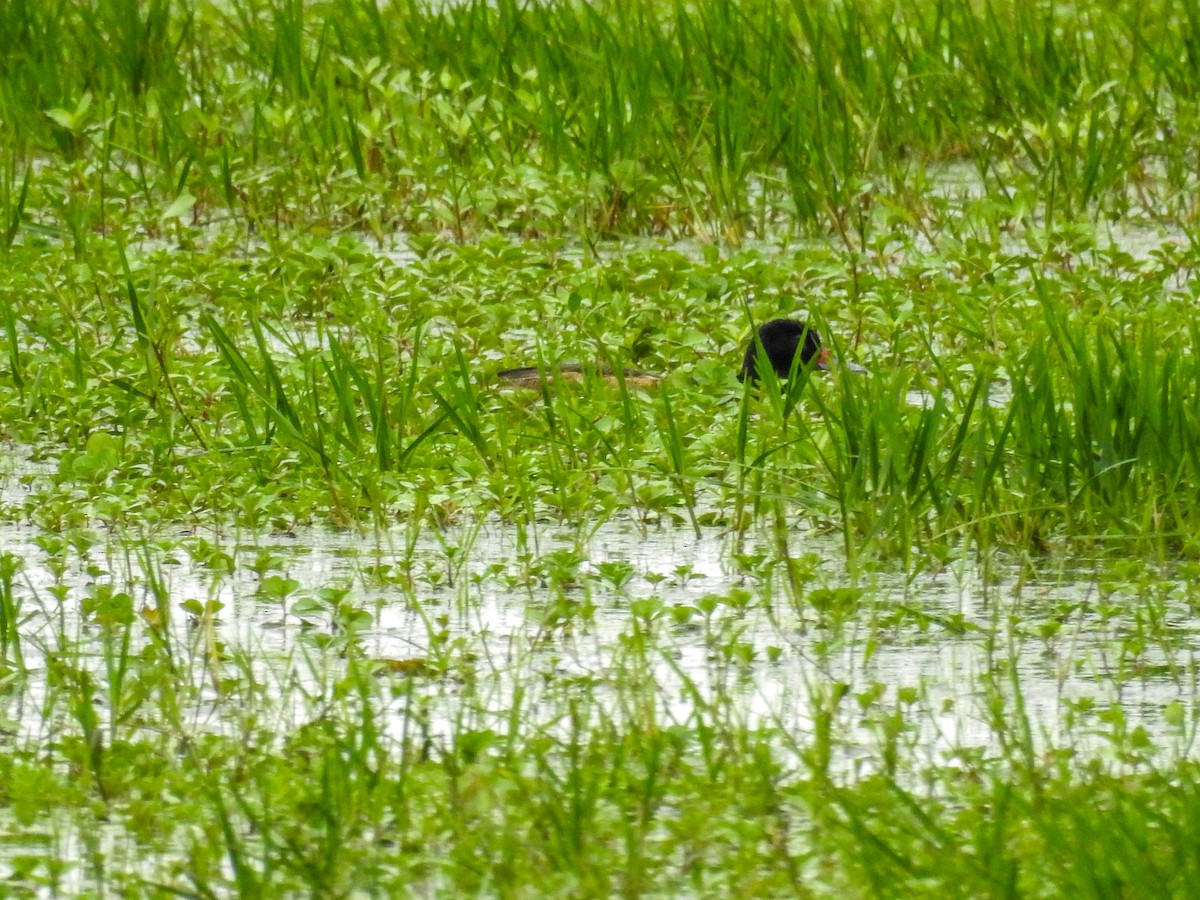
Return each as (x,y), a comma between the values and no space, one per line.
(536,609)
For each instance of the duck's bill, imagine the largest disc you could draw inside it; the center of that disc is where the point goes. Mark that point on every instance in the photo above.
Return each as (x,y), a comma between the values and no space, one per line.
(827,362)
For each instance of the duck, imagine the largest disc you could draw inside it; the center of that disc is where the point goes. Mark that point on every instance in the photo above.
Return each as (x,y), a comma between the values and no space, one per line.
(781,339)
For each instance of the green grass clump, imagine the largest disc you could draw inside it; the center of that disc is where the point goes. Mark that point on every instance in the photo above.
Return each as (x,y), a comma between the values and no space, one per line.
(720,119)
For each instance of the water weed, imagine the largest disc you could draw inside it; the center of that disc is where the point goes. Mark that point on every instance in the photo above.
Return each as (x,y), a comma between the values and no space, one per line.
(299,596)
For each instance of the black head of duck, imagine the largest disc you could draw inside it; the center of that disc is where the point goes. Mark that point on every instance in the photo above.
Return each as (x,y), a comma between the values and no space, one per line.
(781,340)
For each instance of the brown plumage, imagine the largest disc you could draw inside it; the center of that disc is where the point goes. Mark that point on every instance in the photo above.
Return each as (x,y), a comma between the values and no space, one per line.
(531,377)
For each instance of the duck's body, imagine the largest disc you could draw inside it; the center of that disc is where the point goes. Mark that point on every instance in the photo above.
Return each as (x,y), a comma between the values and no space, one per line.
(781,340)
(532,377)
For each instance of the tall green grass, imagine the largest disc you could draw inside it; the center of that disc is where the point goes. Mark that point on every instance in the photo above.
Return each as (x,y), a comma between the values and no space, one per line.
(1089,440)
(11,656)
(646,116)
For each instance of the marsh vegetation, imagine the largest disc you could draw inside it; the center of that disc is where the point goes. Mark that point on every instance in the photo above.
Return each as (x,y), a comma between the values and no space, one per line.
(293,600)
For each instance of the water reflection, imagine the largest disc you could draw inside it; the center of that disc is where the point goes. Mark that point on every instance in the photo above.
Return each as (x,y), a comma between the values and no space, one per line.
(537,612)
